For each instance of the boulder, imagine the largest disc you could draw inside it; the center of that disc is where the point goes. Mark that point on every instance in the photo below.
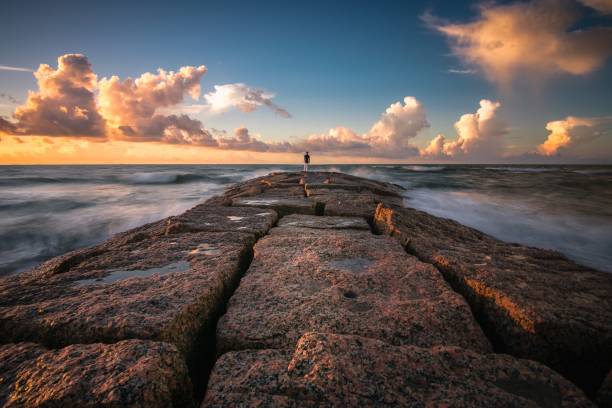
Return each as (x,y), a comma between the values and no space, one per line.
(533,303)
(165,288)
(128,373)
(342,281)
(222,219)
(334,370)
(282,205)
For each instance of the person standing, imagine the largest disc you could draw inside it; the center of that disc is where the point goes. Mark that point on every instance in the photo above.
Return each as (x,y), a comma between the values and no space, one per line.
(306,161)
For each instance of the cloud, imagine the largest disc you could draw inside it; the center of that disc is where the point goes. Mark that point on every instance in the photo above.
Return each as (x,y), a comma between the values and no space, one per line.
(131,106)
(572,131)
(9,98)
(461,71)
(533,37)
(480,136)
(19,69)
(389,137)
(64,105)
(242,97)
(602,6)
(242,140)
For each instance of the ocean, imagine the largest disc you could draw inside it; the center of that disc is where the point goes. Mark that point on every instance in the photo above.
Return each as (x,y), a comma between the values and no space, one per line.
(48,210)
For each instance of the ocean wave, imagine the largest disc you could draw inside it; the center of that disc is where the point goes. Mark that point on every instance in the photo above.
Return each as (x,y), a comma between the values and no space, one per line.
(594,172)
(162,177)
(523,169)
(423,168)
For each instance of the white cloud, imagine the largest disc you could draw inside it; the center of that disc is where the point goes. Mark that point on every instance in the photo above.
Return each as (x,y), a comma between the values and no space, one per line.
(19,69)
(480,136)
(242,97)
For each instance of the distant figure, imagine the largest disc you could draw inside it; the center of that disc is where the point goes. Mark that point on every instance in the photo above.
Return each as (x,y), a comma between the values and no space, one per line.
(306,161)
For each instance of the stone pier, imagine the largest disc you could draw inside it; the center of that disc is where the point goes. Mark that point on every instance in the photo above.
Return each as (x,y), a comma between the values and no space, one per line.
(315,289)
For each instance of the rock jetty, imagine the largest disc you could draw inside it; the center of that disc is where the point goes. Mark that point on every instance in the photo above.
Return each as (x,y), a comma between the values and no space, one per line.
(316,289)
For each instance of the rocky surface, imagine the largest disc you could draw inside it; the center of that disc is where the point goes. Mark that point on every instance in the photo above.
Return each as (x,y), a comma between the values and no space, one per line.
(306,221)
(165,288)
(342,281)
(130,373)
(163,281)
(397,334)
(604,396)
(352,371)
(534,303)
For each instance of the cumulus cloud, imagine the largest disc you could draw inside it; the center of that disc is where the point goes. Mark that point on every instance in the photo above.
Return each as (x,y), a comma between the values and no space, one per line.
(131,106)
(389,137)
(573,131)
(64,105)
(242,140)
(480,135)
(242,97)
(533,37)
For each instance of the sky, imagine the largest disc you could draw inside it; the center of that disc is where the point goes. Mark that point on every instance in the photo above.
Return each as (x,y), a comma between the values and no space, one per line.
(349,81)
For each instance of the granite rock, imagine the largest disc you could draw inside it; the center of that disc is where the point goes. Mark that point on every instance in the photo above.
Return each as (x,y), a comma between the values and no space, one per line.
(128,373)
(166,288)
(330,370)
(342,281)
(533,303)
(309,221)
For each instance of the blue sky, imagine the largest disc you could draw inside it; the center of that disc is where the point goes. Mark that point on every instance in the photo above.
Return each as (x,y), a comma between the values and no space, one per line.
(328,63)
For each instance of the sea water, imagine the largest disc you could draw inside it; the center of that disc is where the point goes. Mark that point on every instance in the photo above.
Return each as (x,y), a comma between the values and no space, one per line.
(49,210)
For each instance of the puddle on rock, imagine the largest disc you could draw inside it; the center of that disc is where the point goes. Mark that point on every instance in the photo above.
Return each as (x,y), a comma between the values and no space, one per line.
(118,275)
(262,214)
(355,265)
(206,249)
(234,218)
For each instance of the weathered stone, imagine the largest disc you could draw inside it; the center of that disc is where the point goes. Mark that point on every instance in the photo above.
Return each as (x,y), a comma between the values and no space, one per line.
(534,303)
(355,204)
(167,288)
(222,219)
(604,396)
(333,180)
(333,370)
(282,205)
(129,373)
(342,281)
(310,221)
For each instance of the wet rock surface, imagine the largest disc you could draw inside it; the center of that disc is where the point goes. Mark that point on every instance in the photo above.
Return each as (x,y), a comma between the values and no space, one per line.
(129,373)
(533,303)
(342,281)
(340,371)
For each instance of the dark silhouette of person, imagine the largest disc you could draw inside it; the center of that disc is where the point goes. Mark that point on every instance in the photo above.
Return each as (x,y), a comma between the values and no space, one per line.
(306,161)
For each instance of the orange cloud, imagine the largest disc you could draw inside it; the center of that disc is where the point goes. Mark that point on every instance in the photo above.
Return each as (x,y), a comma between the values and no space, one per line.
(131,107)
(64,105)
(532,37)
(573,131)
